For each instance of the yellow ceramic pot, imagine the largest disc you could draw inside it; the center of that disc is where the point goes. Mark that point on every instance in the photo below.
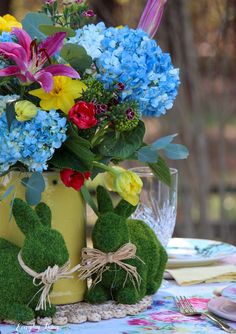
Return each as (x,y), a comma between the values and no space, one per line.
(68,217)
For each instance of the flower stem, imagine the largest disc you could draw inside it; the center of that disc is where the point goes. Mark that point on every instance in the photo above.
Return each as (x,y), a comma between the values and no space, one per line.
(107,168)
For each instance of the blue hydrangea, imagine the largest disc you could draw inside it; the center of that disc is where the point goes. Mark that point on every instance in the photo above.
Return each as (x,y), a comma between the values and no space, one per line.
(90,37)
(131,57)
(33,142)
(6,37)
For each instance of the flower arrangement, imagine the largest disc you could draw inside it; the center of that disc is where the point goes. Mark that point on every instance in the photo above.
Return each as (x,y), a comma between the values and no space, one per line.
(73,95)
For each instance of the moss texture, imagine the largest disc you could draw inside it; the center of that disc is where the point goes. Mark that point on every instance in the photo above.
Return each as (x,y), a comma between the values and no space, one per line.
(42,247)
(111,231)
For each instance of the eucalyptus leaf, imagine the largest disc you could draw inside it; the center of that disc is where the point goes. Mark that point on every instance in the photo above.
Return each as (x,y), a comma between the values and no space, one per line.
(176,151)
(35,185)
(10,114)
(48,30)
(31,23)
(125,145)
(7,192)
(76,56)
(24,181)
(161,143)
(146,154)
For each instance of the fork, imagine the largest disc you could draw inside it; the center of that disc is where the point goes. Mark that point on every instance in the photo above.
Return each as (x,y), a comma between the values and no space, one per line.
(186,308)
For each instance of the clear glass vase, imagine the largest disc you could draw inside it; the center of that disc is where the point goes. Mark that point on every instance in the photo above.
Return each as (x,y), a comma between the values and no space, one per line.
(158,203)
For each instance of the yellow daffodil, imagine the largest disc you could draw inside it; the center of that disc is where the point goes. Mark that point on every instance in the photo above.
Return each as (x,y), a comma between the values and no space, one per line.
(7,22)
(63,94)
(126,183)
(25,110)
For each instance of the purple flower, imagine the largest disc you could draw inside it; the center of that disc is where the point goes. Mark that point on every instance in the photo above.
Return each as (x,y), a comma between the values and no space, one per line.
(49,2)
(130,114)
(88,13)
(30,59)
(151,17)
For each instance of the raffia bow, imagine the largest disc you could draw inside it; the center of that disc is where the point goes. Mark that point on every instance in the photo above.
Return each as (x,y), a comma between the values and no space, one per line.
(46,279)
(95,261)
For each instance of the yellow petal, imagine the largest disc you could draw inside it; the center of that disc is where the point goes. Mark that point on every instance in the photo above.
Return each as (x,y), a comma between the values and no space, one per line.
(48,104)
(25,110)
(40,93)
(65,103)
(75,88)
(132,199)
(7,22)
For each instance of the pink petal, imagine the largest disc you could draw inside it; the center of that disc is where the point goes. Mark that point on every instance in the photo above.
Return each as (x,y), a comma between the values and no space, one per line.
(15,52)
(23,39)
(45,79)
(151,17)
(8,71)
(52,44)
(64,70)
(29,76)
(12,70)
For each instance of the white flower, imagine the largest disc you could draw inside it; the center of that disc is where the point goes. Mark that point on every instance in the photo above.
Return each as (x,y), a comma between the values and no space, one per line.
(90,37)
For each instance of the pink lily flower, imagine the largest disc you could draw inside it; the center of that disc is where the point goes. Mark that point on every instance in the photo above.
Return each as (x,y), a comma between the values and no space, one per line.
(151,17)
(30,59)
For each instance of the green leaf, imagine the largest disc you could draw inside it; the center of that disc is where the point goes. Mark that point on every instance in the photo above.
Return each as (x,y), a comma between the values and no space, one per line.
(76,56)
(10,114)
(146,154)
(6,193)
(123,146)
(48,30)
(11,207)
(88,199)
(176,151)
(161,170)
(35,185)
(161,143)
(31,23)
(63,158)
(80,148)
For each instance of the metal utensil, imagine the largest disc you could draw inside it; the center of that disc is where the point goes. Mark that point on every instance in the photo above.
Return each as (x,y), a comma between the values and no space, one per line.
(186,308)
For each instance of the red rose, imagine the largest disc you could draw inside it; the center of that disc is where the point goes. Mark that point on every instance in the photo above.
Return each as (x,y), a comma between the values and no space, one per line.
(82,114)
(73,179)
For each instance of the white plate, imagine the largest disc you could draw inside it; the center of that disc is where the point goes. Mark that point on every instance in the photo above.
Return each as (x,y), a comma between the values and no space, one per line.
(184,252)
(223,307)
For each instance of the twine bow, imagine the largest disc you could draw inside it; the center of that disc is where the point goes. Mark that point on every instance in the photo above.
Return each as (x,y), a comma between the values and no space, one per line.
(95,261)
(47,278)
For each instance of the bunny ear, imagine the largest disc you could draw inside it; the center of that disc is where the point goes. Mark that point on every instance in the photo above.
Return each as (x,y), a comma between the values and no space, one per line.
(104,200)
(124,209)
(25,217)
(44,213)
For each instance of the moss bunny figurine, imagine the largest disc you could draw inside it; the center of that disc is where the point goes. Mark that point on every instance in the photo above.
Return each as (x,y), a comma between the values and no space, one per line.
(43,247)
(111,231)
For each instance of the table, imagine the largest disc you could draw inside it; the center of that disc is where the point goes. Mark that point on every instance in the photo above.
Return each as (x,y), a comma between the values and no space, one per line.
(162,316)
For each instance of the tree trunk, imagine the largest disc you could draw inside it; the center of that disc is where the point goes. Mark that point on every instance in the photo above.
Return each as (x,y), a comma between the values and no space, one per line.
(178,33)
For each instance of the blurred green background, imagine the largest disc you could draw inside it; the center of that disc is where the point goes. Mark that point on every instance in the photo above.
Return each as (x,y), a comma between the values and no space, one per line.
(201,36)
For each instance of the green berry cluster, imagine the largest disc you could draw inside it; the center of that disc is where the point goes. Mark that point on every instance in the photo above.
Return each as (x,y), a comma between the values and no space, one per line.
(110,109)
(126,116)
(96,92)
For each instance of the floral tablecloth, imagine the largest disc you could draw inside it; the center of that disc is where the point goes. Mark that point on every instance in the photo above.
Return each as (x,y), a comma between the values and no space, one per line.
(161,316)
